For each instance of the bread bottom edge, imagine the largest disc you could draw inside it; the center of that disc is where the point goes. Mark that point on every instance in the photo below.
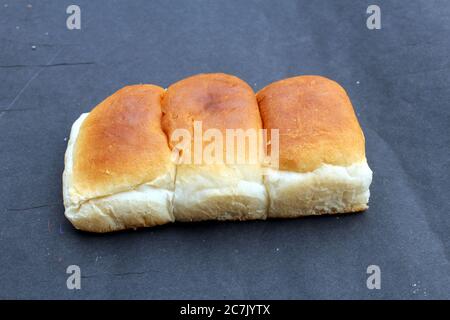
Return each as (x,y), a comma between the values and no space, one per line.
(85,227)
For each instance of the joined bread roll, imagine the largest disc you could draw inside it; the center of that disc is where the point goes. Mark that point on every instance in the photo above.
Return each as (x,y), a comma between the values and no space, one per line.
(322,162)
(224,190)
(145,156)
(118,173)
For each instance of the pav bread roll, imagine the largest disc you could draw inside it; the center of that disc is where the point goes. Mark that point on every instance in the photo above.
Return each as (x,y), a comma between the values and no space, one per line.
(205,191)
(322,162)
(118,173)
(145,156)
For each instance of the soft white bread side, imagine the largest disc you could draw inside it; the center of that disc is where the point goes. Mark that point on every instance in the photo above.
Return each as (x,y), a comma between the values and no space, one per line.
(221,190)
(325,190)
(110,202)
(323,168)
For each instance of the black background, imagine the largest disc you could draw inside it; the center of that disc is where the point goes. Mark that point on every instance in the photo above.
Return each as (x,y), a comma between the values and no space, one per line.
(397,78)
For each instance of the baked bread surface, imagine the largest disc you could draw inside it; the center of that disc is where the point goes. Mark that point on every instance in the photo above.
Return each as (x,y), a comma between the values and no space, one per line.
(221,190)
(123,169)
(118,173)
(322,162)
(316,123)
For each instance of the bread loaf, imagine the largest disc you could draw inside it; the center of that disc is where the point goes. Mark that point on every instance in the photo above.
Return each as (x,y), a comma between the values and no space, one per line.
(146,156)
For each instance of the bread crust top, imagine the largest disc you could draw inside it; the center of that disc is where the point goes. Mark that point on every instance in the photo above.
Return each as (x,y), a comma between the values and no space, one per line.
(121,143)
(316,121)
(219,100)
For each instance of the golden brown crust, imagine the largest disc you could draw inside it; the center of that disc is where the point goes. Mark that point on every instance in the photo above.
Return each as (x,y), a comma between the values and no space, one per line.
(316,122)
(121,144)
(219,100)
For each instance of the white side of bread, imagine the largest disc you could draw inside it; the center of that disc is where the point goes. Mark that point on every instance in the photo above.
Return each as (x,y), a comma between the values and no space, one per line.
(221,192)
(326,190)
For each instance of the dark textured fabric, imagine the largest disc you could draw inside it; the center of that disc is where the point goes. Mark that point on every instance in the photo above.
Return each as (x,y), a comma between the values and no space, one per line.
(397,78)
